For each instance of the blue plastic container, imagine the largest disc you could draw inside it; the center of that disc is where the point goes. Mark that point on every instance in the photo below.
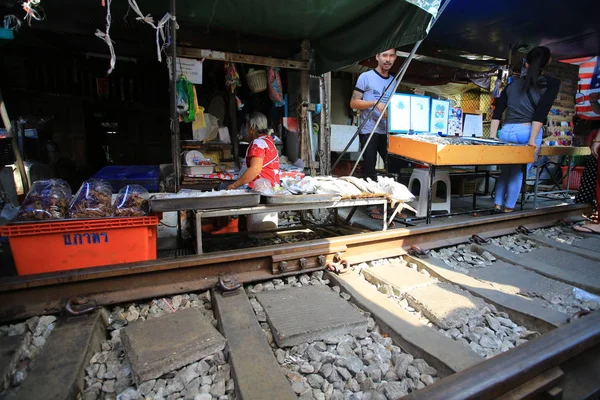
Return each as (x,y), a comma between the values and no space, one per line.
(119,176)
(6,34)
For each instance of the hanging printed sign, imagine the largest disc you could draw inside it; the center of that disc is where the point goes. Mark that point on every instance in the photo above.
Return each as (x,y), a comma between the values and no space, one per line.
(192,69)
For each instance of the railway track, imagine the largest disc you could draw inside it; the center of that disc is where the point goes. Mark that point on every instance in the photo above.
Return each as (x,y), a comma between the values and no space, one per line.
(561,362)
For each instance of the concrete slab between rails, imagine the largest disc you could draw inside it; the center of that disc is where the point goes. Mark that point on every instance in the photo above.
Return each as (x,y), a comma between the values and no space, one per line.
(555,264)
(512,279)
(399,277)
(256,371)
(160,345)
(11,349)
(445,305)
(441,352)
(59,369)
(594,253)
(588,243)
(308,314)
(522,311)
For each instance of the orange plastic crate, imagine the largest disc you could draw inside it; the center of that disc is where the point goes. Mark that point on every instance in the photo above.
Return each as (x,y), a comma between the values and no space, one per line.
(64,245)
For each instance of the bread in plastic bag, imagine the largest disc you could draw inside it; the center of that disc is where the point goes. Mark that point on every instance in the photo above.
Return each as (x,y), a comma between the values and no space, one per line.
(132,201)
(93,200)
(48,199)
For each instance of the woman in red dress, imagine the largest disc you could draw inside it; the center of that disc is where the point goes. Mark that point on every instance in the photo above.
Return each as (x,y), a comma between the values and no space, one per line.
(595,146)
(262,159)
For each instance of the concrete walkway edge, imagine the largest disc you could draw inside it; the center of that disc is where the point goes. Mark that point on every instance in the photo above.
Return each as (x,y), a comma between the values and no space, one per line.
(520,310)
(257,373)
(441,352)
(60,368)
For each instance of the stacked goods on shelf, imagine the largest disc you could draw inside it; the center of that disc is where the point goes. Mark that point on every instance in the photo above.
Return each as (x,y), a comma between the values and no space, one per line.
(559,126)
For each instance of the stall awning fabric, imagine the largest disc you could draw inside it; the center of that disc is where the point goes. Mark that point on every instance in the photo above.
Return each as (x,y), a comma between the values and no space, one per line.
(341,32)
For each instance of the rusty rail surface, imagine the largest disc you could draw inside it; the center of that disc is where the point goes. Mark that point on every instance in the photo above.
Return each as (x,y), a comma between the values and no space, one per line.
(22,297)
(496,376)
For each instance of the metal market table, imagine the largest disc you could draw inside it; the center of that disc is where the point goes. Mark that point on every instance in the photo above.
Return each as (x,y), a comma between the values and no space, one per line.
(568,152)
(435,155)
(268,208)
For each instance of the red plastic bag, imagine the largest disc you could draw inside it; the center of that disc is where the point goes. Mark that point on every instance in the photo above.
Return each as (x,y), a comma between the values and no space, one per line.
(274,85)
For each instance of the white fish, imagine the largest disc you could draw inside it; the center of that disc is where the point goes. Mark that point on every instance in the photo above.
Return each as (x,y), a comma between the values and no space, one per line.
(397,191)
(359,183)
(374,187)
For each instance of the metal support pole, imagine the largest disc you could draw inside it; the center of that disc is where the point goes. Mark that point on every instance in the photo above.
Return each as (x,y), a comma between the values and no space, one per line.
(175,143)
(475,189)
(536,184)
(523,185)
(431,178)
(569,170)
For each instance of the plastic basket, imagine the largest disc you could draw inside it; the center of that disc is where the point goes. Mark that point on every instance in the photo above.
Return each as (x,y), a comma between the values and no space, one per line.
(257,80)
(574,179)
(65,245)
(467,187)
(120,176)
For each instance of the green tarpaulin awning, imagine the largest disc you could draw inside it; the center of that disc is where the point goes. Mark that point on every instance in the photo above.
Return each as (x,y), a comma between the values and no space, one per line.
(341,32)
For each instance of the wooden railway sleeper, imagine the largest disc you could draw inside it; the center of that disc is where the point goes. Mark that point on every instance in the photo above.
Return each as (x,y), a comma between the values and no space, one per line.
(76,306)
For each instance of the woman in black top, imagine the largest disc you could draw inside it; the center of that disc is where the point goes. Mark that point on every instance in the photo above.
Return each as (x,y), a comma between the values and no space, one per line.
(527,101)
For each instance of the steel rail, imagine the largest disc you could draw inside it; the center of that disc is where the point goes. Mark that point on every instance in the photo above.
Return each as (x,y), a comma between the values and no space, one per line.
(504,372)
(25,296)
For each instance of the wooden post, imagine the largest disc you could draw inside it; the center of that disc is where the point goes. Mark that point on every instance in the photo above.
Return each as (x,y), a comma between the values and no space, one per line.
(175,145)
(234,130)
(304,99)
(325,129)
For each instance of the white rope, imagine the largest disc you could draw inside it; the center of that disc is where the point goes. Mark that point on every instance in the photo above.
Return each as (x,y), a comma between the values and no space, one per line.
(105,36)
(33,10)
(12,22)
(160,27)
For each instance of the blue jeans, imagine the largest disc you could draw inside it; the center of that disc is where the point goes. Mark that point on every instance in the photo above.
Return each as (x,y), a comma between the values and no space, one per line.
(508,185)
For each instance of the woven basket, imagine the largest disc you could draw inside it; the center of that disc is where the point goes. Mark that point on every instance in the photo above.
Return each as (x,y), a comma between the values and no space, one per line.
(257,80)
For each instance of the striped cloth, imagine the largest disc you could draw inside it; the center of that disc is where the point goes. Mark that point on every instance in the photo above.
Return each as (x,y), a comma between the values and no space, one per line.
(589,82)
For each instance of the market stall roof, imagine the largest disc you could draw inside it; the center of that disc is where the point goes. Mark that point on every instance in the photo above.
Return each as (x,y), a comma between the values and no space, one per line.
(483,27)
(336,30)
(341,32)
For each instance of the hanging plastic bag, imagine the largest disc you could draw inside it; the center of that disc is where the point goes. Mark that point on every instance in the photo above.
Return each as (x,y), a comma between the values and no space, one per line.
(46,200)
(199,121)
(93,200)
(275,88)
(185,99)
(232,78)
(132,201)
(210,131)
